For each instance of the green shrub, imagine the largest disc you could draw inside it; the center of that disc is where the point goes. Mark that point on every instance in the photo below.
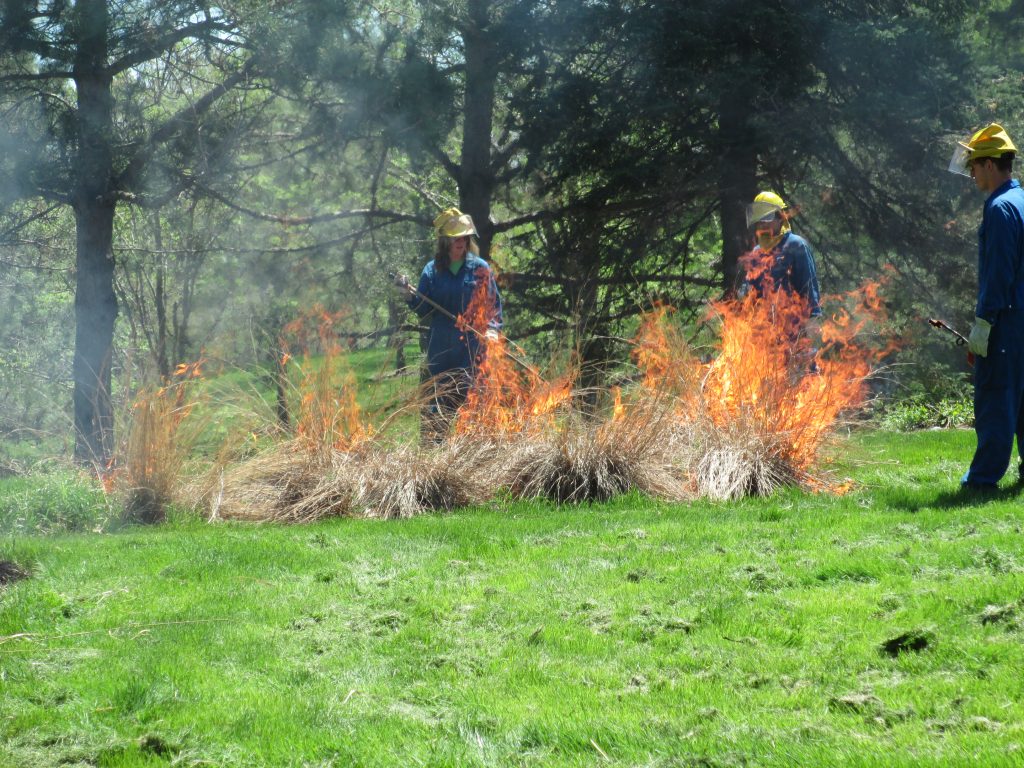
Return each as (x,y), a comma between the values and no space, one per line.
(922,412)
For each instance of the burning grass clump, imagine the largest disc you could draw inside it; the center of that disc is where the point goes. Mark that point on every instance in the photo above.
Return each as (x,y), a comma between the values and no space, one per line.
(756,415)
(147,468)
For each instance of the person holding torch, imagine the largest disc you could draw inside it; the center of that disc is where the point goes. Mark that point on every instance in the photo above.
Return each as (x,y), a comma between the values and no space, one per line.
(997,336)
(446,287)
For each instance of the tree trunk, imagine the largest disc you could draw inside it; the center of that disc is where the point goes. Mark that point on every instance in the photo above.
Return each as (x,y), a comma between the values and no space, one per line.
(93,200)
(95,312)
(476,182)
(737,182)
(160,299)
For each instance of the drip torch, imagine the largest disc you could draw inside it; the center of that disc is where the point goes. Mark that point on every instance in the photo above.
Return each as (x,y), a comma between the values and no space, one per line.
(462,324)
(961,340)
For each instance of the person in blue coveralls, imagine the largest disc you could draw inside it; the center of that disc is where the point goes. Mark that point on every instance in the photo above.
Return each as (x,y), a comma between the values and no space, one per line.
(997,336)
(450,280)
(783,261)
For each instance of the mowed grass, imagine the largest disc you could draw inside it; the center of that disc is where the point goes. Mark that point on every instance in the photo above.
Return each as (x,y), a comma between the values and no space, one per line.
(632,633)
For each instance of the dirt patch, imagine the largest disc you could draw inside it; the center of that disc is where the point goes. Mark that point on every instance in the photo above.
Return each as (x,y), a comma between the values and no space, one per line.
(993,614)
(916,640)
(11,572)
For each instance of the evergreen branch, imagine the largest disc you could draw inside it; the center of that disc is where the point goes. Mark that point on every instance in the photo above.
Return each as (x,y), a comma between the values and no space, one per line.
(129,178)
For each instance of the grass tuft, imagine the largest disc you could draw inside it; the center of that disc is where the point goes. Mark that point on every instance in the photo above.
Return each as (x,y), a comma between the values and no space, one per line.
(587,460)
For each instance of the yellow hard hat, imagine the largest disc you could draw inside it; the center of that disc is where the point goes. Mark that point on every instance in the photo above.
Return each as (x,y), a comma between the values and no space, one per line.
(990,141)
(770,197)
(454,223)
(765,205)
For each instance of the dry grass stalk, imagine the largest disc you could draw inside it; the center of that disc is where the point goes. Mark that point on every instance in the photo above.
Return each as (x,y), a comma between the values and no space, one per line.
(147,469)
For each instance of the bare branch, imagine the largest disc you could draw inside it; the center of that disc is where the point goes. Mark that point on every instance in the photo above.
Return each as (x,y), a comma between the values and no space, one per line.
(35,76)
(150,49)
(356,213)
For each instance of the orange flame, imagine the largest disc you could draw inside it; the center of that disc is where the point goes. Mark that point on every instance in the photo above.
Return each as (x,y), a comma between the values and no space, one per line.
(503,400)
(329,416)
(153,445)
(618,409)
(773,371)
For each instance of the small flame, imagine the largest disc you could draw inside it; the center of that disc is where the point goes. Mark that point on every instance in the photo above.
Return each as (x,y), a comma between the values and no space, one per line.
(618,409)
(329,416)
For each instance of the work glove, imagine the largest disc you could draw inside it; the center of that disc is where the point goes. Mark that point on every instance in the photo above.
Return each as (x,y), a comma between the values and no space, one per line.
(401,286)
(977,342)
(491,335)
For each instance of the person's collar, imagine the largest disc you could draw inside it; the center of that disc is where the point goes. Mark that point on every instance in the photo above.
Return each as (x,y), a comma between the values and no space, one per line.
(1008,184)
(783,237)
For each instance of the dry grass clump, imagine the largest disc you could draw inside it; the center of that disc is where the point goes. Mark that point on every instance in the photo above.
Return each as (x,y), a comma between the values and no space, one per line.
(283,485)
(406,481)
(290,485)
(738,459)
(584,461)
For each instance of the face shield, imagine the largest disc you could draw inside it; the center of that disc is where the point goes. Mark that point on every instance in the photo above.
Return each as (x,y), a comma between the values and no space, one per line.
(959,163)
(759,210)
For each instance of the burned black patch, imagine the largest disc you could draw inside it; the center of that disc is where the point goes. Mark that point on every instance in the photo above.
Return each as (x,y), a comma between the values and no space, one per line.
(855,702)
(11,572)
(914,641)
(145,506)
(993,614)
(156,745)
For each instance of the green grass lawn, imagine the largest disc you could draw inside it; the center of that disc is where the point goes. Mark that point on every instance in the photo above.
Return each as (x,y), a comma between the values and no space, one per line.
(632,633)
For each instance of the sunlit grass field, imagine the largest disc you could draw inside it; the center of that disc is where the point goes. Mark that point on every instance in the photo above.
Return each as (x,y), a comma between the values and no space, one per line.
(883,627)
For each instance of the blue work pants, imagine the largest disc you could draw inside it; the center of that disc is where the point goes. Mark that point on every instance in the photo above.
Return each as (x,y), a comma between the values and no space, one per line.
(998,400)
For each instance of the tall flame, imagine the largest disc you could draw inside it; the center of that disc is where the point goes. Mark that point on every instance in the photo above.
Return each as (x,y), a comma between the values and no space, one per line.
(504,398)
(329,416)
(776,372)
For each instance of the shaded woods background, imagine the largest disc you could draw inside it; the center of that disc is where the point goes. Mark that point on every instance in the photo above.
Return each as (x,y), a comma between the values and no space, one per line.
(182,176)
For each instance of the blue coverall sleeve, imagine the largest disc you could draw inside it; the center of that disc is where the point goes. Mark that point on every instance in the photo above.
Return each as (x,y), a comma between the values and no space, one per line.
(805,278)
(496,321)
(426,287)
(998,260)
